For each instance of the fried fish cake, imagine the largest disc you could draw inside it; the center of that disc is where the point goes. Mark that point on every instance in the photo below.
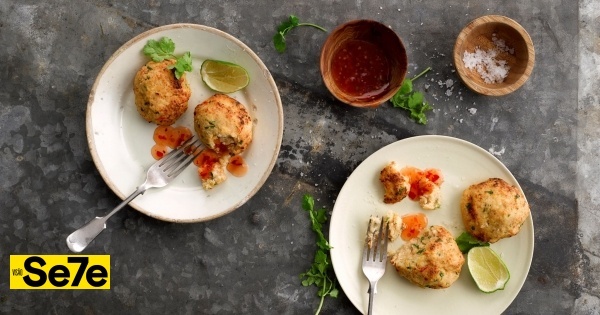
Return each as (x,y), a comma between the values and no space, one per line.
(431,260)
(493,209)
(396,185)
(160,98)
(223,124)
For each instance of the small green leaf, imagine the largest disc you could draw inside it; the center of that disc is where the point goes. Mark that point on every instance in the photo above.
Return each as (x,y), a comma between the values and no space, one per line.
(334,292)
(415,100)
(308,203)
(406,87)
(466,241)
(285,27)
(294,20)
(279,42)
(321,215)
(159,50)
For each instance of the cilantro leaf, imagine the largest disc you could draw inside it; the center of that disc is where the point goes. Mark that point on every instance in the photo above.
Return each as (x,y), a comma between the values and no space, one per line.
(412,101)
(164,49)
(159,50)
(466,241)
(286,26)
(320,270)
(406,87)
(279,42)
(183,64)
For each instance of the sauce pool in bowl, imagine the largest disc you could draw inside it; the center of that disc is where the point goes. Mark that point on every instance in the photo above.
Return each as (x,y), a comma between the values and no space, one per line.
(363,63)
(361,69)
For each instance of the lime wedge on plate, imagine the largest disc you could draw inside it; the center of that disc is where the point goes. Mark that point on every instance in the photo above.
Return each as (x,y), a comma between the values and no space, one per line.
(223,76)
(487,269)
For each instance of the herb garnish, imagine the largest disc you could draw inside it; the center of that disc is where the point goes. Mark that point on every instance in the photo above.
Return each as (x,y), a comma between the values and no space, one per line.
(412,101)
(164,49)
(466,241)
(286,26)
(318,274)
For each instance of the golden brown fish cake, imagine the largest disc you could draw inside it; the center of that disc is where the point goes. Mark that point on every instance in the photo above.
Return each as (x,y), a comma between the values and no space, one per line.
(159,97)
(395,185)
(223,124)
(493,209)
(430,260)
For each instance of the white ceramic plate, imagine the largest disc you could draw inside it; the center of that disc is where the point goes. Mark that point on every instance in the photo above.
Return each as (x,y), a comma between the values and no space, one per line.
(120,139)
(462,164)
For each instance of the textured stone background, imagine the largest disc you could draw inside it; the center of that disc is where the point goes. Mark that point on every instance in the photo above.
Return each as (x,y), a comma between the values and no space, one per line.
(248,262)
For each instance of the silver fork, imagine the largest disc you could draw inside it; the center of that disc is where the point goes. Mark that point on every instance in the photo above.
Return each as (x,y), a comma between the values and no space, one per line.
(374,258)
(159,175)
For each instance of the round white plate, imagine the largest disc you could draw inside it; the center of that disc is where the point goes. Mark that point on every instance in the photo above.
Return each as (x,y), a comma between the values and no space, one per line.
(120,139)
(462,165)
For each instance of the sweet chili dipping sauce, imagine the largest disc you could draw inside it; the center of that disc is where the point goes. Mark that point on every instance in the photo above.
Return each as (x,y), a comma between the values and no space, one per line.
(168,137)
(237,166)
(206,163)
(412,225)
(361,69)
(415,175)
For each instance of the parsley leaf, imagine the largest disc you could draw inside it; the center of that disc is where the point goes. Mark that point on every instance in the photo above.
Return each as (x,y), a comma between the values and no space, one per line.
(466,241)
(412,101)
(164,49)
(319,272)
(286,26)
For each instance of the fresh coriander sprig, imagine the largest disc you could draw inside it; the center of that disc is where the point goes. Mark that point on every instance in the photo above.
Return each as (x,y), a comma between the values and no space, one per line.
(318,274)
(164,49)
(286,26)
(412,101)
(466,241)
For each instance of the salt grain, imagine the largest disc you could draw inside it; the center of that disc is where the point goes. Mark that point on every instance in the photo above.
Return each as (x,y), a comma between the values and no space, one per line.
(491,69)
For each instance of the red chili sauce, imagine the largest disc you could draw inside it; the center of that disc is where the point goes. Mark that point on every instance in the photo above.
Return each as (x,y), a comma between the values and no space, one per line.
(416,189)
(167,138)
(206,163)
(237,166)
(361,69)
(413,224)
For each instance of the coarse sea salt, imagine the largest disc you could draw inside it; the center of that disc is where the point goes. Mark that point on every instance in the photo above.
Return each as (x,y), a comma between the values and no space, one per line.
(491,69)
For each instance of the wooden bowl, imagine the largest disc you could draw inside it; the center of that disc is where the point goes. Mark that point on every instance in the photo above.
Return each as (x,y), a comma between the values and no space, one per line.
(387,63)
(478,34)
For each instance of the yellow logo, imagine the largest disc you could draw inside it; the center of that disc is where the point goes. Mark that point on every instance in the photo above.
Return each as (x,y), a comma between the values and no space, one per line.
(71,272)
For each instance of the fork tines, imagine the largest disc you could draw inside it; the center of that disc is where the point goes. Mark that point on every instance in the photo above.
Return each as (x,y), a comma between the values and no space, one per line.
(177,160)
(377,239)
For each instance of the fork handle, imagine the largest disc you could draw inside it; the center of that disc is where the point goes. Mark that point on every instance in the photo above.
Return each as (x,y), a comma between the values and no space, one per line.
(83,236)
(372,288)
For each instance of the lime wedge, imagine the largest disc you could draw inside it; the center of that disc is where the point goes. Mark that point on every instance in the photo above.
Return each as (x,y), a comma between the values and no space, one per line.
(223,76)
(487,269)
